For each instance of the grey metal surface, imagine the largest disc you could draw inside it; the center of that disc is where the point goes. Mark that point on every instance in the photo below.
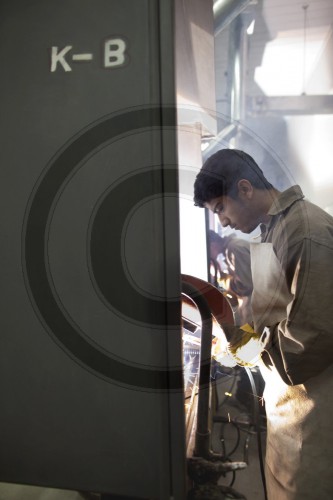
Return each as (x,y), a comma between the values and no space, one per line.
(86,335)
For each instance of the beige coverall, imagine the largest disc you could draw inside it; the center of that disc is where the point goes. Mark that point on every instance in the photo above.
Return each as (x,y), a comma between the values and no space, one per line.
(292,272)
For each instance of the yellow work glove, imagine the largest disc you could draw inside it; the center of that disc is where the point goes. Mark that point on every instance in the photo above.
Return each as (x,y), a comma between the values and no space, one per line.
(244,345)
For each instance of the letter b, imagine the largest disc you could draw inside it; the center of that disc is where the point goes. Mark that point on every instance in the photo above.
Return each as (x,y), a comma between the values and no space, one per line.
(114,53)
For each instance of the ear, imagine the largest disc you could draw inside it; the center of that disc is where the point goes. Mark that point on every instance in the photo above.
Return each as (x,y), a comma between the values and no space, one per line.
(245,189)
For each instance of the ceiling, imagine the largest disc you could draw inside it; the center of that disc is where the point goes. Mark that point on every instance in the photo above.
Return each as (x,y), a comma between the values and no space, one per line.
(291,39)
(284,86)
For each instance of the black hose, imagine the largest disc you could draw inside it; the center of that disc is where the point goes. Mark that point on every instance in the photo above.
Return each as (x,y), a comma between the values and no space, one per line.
(202,438)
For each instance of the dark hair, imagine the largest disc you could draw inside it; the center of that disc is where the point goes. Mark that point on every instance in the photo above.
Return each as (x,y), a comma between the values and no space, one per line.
(221,172)
(214,237)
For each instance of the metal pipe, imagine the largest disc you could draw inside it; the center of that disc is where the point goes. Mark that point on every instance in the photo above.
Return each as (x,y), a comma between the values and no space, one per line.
(226,11)
(237,68)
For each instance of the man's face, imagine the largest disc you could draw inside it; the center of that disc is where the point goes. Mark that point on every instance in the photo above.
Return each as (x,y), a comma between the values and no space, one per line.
(240,213)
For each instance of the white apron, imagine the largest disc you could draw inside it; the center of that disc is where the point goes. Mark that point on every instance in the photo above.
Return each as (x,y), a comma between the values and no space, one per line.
(299,455)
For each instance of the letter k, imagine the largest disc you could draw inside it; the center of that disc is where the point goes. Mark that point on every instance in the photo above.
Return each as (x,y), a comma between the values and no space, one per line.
(59,57)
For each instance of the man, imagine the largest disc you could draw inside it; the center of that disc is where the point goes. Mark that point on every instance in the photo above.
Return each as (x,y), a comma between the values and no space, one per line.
(292,273)
(236,253)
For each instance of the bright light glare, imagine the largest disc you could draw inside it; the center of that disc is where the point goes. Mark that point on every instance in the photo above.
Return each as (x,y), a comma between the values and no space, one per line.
(312,138)
(250,29)
(282,70)
(193,247)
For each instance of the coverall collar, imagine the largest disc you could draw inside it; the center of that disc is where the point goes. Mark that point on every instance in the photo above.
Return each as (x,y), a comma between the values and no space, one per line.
(283,201)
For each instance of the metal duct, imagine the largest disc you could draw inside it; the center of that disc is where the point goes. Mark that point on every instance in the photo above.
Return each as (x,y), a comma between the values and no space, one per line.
(227,12)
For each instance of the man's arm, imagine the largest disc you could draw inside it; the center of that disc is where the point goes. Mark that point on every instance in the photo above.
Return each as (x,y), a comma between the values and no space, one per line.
(302,344)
